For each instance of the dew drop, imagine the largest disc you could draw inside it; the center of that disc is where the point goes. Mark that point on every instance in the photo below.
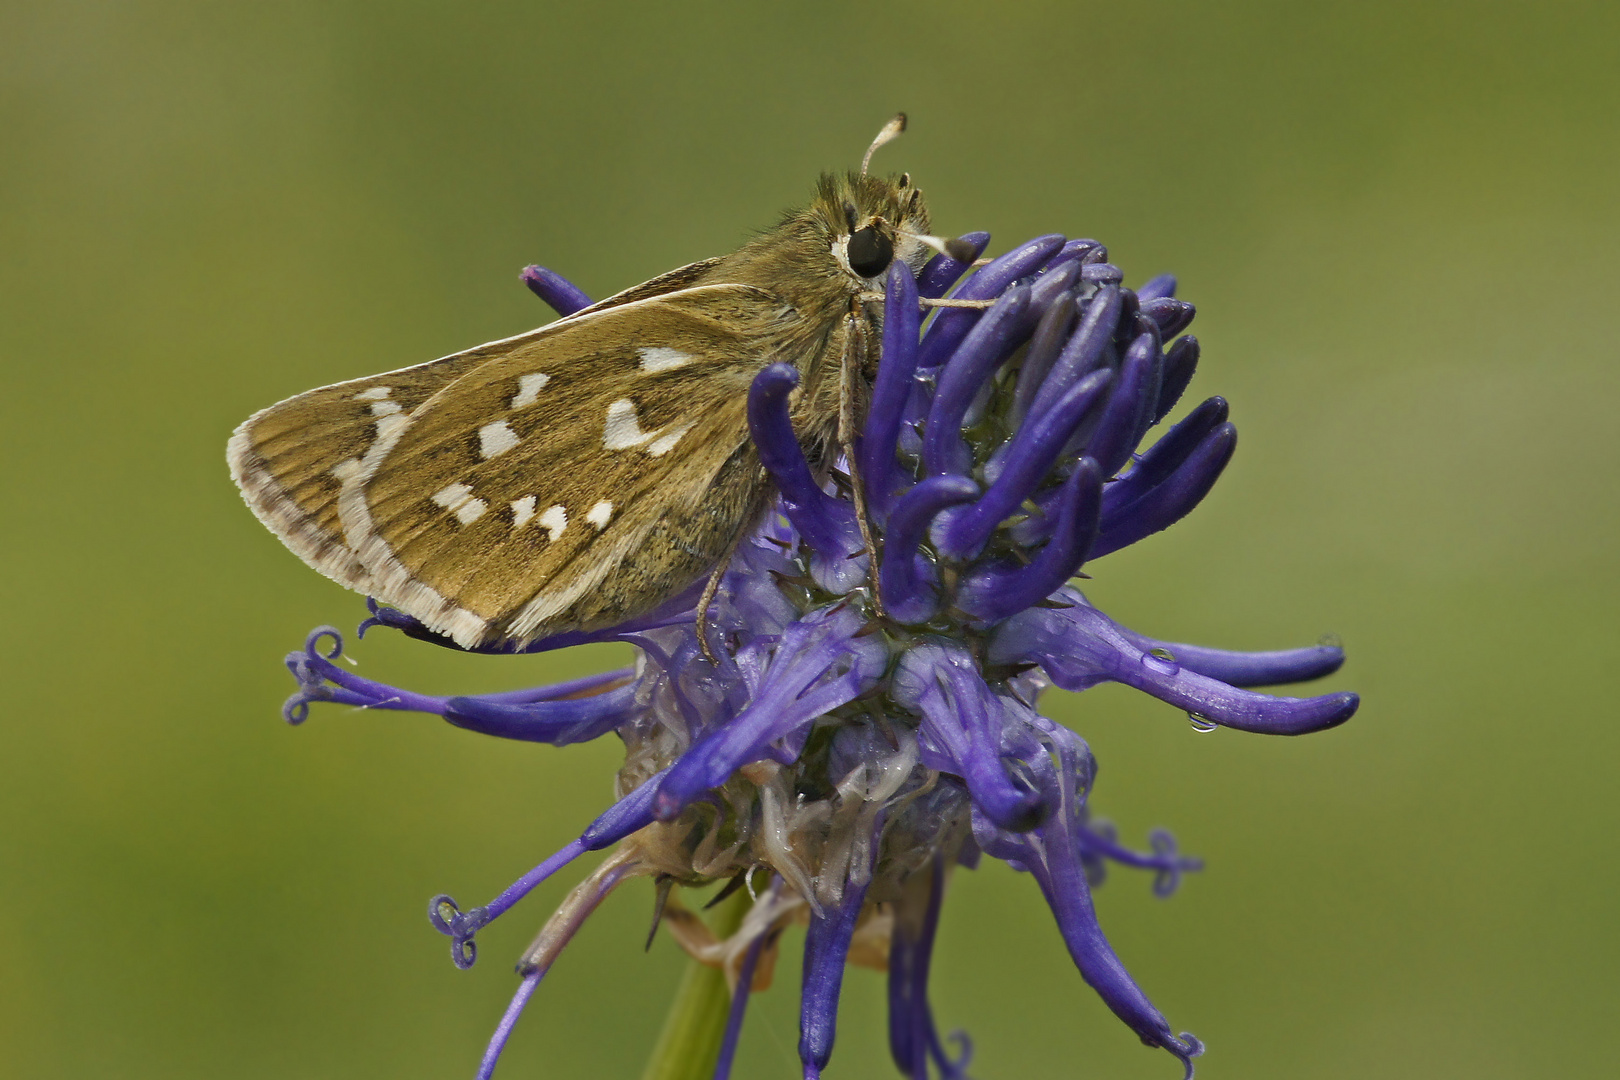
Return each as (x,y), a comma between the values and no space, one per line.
(1332,641)
(1162,661)
(1201,723)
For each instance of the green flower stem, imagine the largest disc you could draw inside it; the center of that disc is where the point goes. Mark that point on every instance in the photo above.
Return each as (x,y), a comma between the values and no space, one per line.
(689,1045)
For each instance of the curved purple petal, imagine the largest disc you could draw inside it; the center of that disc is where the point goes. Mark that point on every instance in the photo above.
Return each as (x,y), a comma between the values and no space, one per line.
(1162,459)
(560,723)
(1079,647)
(896,371)
(951,325)
(1170,316)
(913,1038)
(986,346)
(1054,281)
(1102,273)
(905,580)
(1275,668)
(820,663)
(1157,288)
(1030,457)
(827,523)
(964,719)
(995,592)
(1052,856)
(562,295)
(1180,361)
(1056,325)
(1174,498)
(826,946)
(1082,251)
(1063,882)
(942,271)
(1087,348)
(1130,408)
(630,814)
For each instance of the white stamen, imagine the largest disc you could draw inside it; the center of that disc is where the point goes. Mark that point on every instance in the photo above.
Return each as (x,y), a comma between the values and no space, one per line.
(665,443)
(555,520)
(496,438)
(600,515)
(529,387)
(623,430)
(376,393)
(655,358)
(522,510)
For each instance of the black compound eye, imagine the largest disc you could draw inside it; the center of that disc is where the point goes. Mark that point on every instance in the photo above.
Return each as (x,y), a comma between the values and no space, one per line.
(870,252)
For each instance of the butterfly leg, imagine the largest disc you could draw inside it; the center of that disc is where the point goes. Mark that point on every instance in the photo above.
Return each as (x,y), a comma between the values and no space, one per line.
(705,602)
(856,345)
(751,521)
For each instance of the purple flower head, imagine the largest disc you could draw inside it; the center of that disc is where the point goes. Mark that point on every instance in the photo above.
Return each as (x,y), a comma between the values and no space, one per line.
(866,729)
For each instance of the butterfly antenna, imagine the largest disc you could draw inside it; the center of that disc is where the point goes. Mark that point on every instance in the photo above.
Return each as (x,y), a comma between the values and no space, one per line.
(950,247)
(891,131)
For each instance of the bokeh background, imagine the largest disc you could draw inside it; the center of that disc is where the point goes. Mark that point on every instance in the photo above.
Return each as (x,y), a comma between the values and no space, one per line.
(1398,222)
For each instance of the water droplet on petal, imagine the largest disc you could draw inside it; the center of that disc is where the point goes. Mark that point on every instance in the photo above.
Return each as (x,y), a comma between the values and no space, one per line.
(1332,641)
(1201,723)
(1162,661)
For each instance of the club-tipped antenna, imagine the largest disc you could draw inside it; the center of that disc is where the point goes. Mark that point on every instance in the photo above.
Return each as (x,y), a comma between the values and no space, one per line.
(891,131)
(953,247)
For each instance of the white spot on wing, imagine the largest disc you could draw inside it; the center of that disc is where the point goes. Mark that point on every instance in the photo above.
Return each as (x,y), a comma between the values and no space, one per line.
(458,499)
(496,438)
(622,430)
(555,520)
(388,427)
(666,442)
(386,408)
(522,510)
(529,387)
(376,393)
(600,515)
(452,496)
(655,358)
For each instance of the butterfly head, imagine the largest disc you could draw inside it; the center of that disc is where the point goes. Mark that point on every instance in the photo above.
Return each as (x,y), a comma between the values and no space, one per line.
(871,221)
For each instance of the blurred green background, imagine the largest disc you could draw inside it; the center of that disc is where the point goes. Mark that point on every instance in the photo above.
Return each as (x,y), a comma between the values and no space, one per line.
(1399,223)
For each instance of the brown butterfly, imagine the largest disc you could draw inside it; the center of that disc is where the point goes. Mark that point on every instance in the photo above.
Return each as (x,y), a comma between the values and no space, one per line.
(578,475)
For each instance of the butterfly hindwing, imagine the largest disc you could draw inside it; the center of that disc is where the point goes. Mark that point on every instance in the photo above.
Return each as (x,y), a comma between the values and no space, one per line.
(534,484)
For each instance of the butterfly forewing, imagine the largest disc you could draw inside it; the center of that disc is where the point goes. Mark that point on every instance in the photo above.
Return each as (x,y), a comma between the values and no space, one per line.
(532,485)
(282,458)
